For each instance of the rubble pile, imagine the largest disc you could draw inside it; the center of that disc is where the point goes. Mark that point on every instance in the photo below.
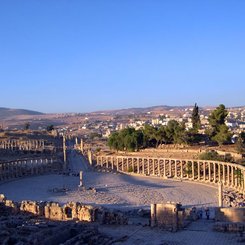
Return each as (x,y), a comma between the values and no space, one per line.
(72,211)
(25,229)
(30,222)
(229,227)
(233,199)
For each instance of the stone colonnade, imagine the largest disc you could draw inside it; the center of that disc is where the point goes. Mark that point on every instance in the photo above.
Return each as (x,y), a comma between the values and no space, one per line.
(28,145)
(214,172)
(27,167)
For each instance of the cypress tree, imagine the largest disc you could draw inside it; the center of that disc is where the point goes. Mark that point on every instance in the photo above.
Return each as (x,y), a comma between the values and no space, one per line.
(195,118)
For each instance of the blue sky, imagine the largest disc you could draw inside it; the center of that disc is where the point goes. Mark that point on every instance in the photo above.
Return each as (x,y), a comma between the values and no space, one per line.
(79,56)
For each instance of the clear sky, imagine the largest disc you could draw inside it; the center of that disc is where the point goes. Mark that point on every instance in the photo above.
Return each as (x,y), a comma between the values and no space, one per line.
(86,55)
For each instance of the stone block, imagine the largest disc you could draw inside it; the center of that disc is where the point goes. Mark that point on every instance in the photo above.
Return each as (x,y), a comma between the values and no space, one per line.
(32,207)
(86,213)
(53,211)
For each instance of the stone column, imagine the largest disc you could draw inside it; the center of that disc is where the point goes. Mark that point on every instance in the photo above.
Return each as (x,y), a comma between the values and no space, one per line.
(37,167)
(158,167)
(232,176)
(64,153)
(175,168)
(209,171)
(148,161)
(112,163)
(153,215)
(123,163)
(32,168)
(81,179)
(90,160)
(42,166)
(117,164)
(219,171)
(43,145)
(138,165)
(181,169)
(214,172)
(153,166)
(204,171)
(143,165)
(236,177)
(21,168)
(170,168)
(193,170)
(198,170)
(164,168)
(228,175)
(224,178)
(132,162)
(128,164)
(220,191)
(81,146)
(10,171)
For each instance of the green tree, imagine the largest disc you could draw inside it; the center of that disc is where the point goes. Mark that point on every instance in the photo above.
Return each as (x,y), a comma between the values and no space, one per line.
(27,126)
(171,128)
(242,135)
(213,155)
(223,135)
(113,141)
(127,139)
(240,146)
(161,135)
(150,133)
(195,118)
(218,130)
(175,132)
(138,137)
(180,134)
(218,116)
(50,128)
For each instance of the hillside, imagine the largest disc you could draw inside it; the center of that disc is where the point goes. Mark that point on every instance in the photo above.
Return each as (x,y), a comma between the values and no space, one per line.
(7,112)
(152,109)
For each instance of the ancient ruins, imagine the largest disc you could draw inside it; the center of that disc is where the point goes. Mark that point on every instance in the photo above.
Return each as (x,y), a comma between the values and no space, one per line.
(40,216)
(212,172)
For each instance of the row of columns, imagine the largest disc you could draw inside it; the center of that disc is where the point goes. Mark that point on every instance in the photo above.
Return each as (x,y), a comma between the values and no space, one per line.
(231,175)
(15,169)
(22,145)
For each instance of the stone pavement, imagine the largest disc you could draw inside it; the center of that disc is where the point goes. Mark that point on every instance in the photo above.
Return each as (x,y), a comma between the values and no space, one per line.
(198,233)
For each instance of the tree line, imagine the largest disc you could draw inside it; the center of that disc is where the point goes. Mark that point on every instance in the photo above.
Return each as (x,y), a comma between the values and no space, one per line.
(130,139)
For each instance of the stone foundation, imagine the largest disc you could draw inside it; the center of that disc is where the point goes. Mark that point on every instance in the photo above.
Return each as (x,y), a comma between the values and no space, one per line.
(229,227)
(171,216)
(72,211)
(230,215)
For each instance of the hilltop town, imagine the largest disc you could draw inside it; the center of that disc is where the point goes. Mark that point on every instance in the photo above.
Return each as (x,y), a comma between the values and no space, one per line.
(101,124)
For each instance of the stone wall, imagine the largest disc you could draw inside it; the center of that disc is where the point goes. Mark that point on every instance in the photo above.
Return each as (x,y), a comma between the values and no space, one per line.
(230,214)
(229,227)
(171,216)
(28,167)
(72,211)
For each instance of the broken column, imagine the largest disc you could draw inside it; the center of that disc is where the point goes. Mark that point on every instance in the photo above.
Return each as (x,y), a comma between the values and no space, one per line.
(153,215)
(220,194)
(64,151)
(81,179)
(82,147)
(90,157)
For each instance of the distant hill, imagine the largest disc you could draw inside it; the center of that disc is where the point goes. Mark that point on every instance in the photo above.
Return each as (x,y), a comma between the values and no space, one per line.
(161,108)
(7,112)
